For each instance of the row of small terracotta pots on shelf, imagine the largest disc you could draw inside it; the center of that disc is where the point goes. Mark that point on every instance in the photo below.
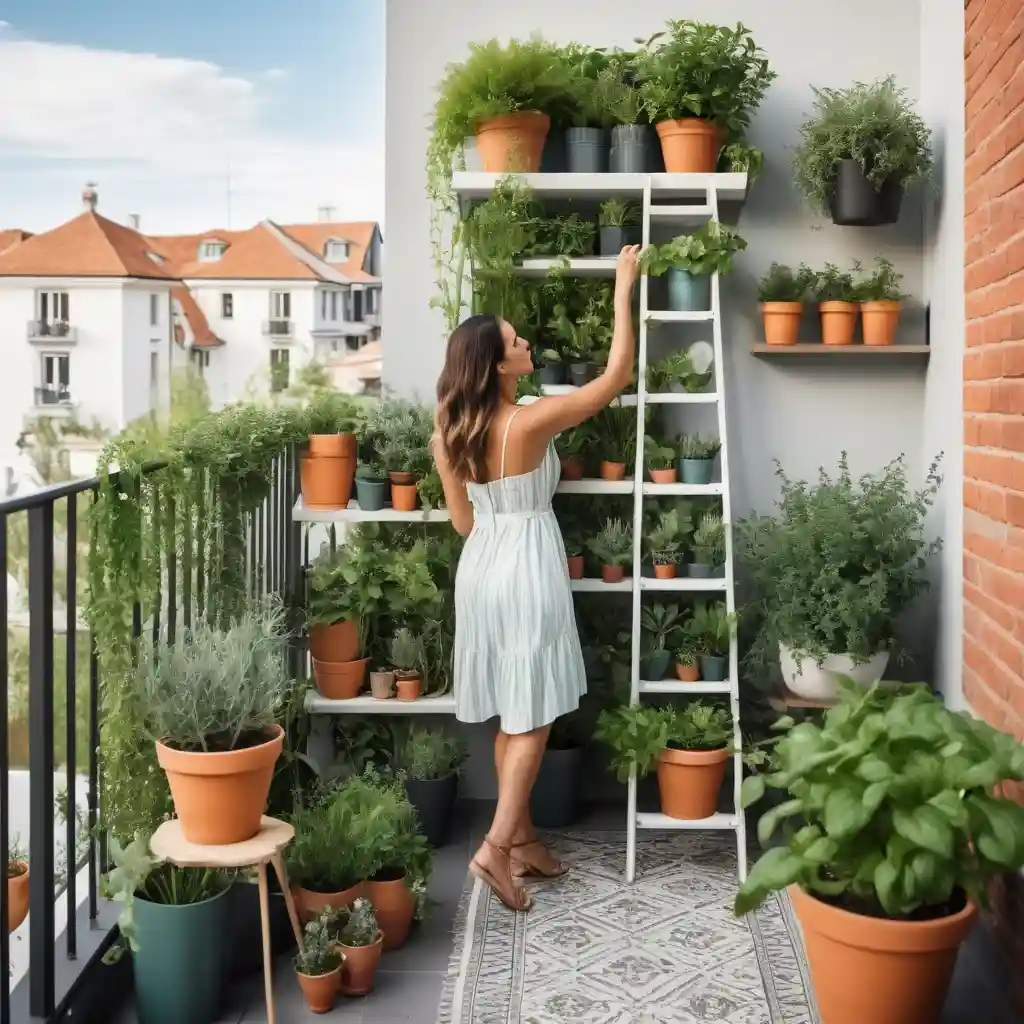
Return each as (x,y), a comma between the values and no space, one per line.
(838,322)
(689,471)
(327,472)
(340,671)
(662,570)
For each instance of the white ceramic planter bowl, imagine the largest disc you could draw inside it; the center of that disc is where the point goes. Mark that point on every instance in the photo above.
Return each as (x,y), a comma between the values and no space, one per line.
(804,678)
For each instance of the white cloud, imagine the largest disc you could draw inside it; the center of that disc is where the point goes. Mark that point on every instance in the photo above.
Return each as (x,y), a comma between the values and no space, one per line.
(275,74)
(5,24)
(160,133)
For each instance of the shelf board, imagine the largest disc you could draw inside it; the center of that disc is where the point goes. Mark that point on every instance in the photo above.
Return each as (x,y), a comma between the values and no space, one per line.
(652,490)
(679,316)
(354,514)
(728,187)
(817,349)
(584,266)
(596,585)
(569,389)
(317,705)
(679,212)
(595,487)
(682,398)
(663,821)
(678,688)
(684,584)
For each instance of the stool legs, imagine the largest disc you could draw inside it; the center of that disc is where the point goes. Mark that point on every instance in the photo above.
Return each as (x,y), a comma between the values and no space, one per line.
(268,981)
(282,876)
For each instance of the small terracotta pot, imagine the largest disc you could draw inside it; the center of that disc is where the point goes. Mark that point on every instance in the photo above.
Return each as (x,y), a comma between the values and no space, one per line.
(871,969)
(690,145)
(382,685)
(17,897)
(401,477)
(310,904)
(575,566)
(613,573)
(572,469)
(404,497)
(878,321)
(664,570)
(340,680)
(409,687)
(359,968)
(688,673)
(394,906)
(320,990)
(513,143)
(781,322)
(664,476)
(689,781)
(838,320)
(333,445)
(339,642)
(220,797)
(326,480)
(613,471)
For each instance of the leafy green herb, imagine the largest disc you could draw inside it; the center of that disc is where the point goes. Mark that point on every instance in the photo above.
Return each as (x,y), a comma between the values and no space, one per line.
(781,284)
(709,250)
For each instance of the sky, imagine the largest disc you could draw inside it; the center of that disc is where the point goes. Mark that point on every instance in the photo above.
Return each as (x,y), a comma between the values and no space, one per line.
(193,115)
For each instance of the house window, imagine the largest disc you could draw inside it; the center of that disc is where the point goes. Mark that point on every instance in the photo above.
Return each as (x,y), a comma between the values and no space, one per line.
(56,376)
(280,305)
(154,310)
(279,369)
(54,311)
(357,306)
(334,305)
(227,306)
(323,305)
(337,251)
(370,301)
(210,252)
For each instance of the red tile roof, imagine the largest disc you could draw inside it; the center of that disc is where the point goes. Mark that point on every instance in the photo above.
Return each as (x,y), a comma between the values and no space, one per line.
(202,336)
(359,235)
(12,237)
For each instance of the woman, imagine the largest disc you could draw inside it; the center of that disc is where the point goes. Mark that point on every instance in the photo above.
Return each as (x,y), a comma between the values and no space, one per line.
(517,651)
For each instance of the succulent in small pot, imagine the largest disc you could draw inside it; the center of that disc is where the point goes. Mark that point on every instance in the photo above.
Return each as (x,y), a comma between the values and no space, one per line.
(696,460)
(432,761)
(782,292)
(687,655)
(570,446)
(551,367)
(690,260)
(666,541)
(619,225)
(689,745)
(382,683)
(660,624)
(319,963)
(361,941)
(615,439)
(712,627)
(661,461)
(708,546)
(16,875)
(880,303)
(838,299)
(407,658)
(613,549)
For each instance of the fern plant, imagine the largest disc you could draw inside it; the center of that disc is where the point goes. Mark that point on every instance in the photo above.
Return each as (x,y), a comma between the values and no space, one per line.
(783,284)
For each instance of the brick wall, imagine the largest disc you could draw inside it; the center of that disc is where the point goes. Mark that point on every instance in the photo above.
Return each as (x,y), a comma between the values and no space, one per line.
(994,395)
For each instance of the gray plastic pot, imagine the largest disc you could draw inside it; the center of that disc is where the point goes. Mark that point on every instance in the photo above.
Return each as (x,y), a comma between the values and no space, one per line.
(631,149)
(552,160)
(614,239)
(586,150)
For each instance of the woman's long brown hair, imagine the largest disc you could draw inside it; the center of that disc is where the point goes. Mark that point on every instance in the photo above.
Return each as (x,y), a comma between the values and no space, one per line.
(468,394)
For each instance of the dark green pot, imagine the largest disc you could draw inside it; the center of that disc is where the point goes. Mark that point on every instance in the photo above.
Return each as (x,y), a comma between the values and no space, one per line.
(713,668)
(371,493)
(654,666)
(180,962)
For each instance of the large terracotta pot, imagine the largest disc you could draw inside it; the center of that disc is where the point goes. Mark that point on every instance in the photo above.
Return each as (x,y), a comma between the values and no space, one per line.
(309,903)
(868,969)
(513,143)
(689,781)
(781,322)
(220,797)
(17,896)
(340,680)
(878,321)
(690,145)
(333,445)
(320,990)
(326,480)
(394,906)
(339,642)
(359,968)
(838,322)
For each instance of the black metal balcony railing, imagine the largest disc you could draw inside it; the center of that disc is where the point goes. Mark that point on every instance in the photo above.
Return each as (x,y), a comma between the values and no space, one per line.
(47,330)
(64,697)
(278,328)
(53,396)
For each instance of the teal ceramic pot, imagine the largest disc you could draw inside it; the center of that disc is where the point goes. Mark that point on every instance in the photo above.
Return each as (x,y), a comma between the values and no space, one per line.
(713,668)
(371,493)
(688,292)
(655,666)
(696,471)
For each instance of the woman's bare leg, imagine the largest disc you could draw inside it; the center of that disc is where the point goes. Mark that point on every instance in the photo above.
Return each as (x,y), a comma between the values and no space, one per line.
(524,830)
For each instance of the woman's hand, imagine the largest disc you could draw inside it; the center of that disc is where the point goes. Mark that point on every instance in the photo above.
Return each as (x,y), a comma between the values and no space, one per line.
(627,269)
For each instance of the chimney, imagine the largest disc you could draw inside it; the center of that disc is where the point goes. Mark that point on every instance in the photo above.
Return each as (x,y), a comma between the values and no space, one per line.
(90,197)
(135,220)
(325,214)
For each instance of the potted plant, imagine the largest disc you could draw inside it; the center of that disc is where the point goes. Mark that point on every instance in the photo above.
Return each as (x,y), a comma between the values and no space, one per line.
(712,627)
(619,223)
(672,374)
(859,152)
(690,747)
(661,461)
(613,548)
(687,654)
(400,458)
(586,141)
(551,368)
(407,658)
(574,554)
(361,942)
(217,749)
(318,964)
(372,485)
(880,301)
(615,439)
(175,922)
(432,761)
(666,541)
(838,299)
(631,142)
(781,293)
(571,445)
(696,460)
(398,434)
(708,547)
(700,83)
(16,874)
(659,624)
(903,828)
(382,683)
(690,260)
(328,465)
(833,569)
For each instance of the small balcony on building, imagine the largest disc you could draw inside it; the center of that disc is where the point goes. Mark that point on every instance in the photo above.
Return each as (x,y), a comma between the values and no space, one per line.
(279,329)
(49,332)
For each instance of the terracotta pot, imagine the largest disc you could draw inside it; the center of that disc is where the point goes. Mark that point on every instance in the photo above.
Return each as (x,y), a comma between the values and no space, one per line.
(394,906)
(572,469)
(220,797)
(613,573)
(338,642)
(340,680)
(320,990)
(359,968)
(663,476)
(513,142)
(309,903)
(878,321)
(664,570)
(690,145)
(781,322)
(409,687)
(613,471)
(397,477)
(870,969)
(326,480)
(335,445)
(687,673)
(575,567)
(838,320)
(382,685)
(404,497)
(689,781)
(17,897)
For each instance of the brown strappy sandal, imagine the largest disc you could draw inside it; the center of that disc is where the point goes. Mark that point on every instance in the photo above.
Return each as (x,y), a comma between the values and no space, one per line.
(528,871)
(514,897)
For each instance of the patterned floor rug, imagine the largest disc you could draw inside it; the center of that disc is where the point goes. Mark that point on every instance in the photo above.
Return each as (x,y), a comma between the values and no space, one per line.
(594,950)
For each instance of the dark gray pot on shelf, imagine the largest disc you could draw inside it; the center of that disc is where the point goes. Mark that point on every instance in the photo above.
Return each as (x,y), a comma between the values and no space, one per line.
(654,665)
(552,160)
(631,149)
(581,373)
(713,668)
(556,797)
(586,150)
(614,239)
(701,570)
(553,374)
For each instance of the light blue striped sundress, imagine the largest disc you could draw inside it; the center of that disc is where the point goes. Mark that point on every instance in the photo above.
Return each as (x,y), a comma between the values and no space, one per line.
(517,650)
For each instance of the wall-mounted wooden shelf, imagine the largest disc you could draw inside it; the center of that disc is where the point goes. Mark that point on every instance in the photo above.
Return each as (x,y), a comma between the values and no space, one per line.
(817,349)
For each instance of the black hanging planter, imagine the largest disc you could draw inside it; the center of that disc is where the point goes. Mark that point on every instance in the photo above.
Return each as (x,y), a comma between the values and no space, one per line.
(556,797)
(434,800)
(855,202)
